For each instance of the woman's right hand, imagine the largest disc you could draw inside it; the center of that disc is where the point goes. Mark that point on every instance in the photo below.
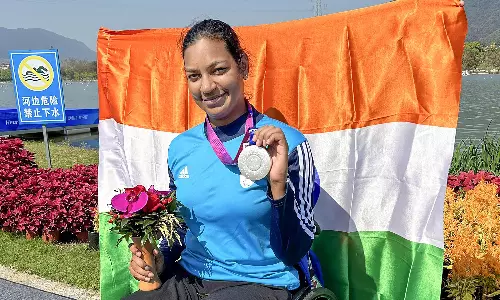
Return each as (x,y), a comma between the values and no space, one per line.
(138,267)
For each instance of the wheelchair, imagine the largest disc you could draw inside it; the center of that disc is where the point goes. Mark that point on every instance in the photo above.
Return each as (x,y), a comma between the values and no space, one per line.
(314,294)
(314,291)
(311,278)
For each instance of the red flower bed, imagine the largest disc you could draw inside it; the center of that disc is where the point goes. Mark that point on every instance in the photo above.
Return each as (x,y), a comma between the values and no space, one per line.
(468,180)
(44,200)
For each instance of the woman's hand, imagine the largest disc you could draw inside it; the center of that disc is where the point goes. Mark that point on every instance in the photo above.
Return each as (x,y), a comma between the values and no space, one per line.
(138,267)
(274,138)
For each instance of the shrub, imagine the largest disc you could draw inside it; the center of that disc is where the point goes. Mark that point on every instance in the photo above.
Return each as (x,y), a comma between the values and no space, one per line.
(469,156)
(468,180)
(43,200)
(472,239)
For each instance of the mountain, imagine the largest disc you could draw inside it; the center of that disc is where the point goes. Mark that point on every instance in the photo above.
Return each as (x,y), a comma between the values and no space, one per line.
(483,17)
(35,38)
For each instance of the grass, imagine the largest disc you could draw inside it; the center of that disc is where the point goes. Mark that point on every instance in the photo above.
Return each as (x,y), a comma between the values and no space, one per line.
(480,156)
(73,264)
(62,154)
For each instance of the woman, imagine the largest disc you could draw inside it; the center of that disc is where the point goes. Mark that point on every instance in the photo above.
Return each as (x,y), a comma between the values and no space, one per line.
(244,238)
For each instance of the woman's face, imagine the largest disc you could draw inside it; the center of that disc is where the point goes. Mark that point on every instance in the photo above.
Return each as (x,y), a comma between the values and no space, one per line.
(215,80)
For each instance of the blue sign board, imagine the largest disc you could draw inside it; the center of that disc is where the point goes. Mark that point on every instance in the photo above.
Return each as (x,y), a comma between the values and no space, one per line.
(74,117)
(38,86)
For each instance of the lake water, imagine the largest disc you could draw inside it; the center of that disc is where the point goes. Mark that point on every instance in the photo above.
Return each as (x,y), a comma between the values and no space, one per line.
(76,95)
(479,105)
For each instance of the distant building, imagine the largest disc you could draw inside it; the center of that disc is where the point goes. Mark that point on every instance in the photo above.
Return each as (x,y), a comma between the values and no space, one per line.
(4,66)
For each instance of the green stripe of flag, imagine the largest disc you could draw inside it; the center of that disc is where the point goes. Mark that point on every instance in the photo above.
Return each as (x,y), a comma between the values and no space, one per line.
(116,281)
(379,265)
(358,265)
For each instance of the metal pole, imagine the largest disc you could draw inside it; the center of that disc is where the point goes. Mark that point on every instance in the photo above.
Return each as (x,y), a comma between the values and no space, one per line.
(318,7)
(46,141)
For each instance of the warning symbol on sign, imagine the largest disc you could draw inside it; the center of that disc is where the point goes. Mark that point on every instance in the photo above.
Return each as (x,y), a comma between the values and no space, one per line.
(36,73)
(38,86)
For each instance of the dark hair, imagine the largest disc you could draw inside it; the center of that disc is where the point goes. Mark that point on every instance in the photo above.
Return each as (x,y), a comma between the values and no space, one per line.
(216,30)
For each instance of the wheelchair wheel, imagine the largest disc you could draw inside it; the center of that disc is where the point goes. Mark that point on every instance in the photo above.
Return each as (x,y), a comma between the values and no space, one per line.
(319,294)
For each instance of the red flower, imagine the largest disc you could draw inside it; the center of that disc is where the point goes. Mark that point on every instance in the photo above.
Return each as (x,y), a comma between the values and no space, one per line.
(153,203)
(135,191)
(468,180)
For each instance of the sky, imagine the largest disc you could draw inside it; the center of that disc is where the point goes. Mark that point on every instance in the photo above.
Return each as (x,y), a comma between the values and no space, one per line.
(81,19)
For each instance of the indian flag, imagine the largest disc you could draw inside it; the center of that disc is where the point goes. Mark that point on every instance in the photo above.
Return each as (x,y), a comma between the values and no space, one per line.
(375,90)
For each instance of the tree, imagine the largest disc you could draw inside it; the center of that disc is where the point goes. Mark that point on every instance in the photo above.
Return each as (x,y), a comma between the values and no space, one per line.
(491,57)
(72,69)
(5,75)
(473,55)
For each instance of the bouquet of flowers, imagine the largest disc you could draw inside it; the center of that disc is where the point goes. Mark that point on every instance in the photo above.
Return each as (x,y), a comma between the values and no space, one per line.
(144,216)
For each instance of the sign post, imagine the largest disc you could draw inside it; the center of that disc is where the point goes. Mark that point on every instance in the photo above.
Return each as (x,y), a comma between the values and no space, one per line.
(47,148)
(38,87)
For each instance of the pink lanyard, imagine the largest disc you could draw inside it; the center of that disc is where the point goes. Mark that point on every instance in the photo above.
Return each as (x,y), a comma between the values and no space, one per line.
(217,144)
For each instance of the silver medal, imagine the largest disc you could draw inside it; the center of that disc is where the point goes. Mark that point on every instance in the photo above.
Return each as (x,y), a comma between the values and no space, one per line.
(254,162)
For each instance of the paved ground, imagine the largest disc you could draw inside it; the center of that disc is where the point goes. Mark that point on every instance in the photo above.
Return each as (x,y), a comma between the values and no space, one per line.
(16,285)
(15,291)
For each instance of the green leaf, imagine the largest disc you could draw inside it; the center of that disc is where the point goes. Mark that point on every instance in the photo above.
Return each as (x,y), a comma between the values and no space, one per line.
(127,236)
(148,222)
(494,294)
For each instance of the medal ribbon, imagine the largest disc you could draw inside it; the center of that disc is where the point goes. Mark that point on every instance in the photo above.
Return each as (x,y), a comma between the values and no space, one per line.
(217,144)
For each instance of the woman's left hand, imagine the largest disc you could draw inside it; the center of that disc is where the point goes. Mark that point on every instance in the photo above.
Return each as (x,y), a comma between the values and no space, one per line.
(278,150)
